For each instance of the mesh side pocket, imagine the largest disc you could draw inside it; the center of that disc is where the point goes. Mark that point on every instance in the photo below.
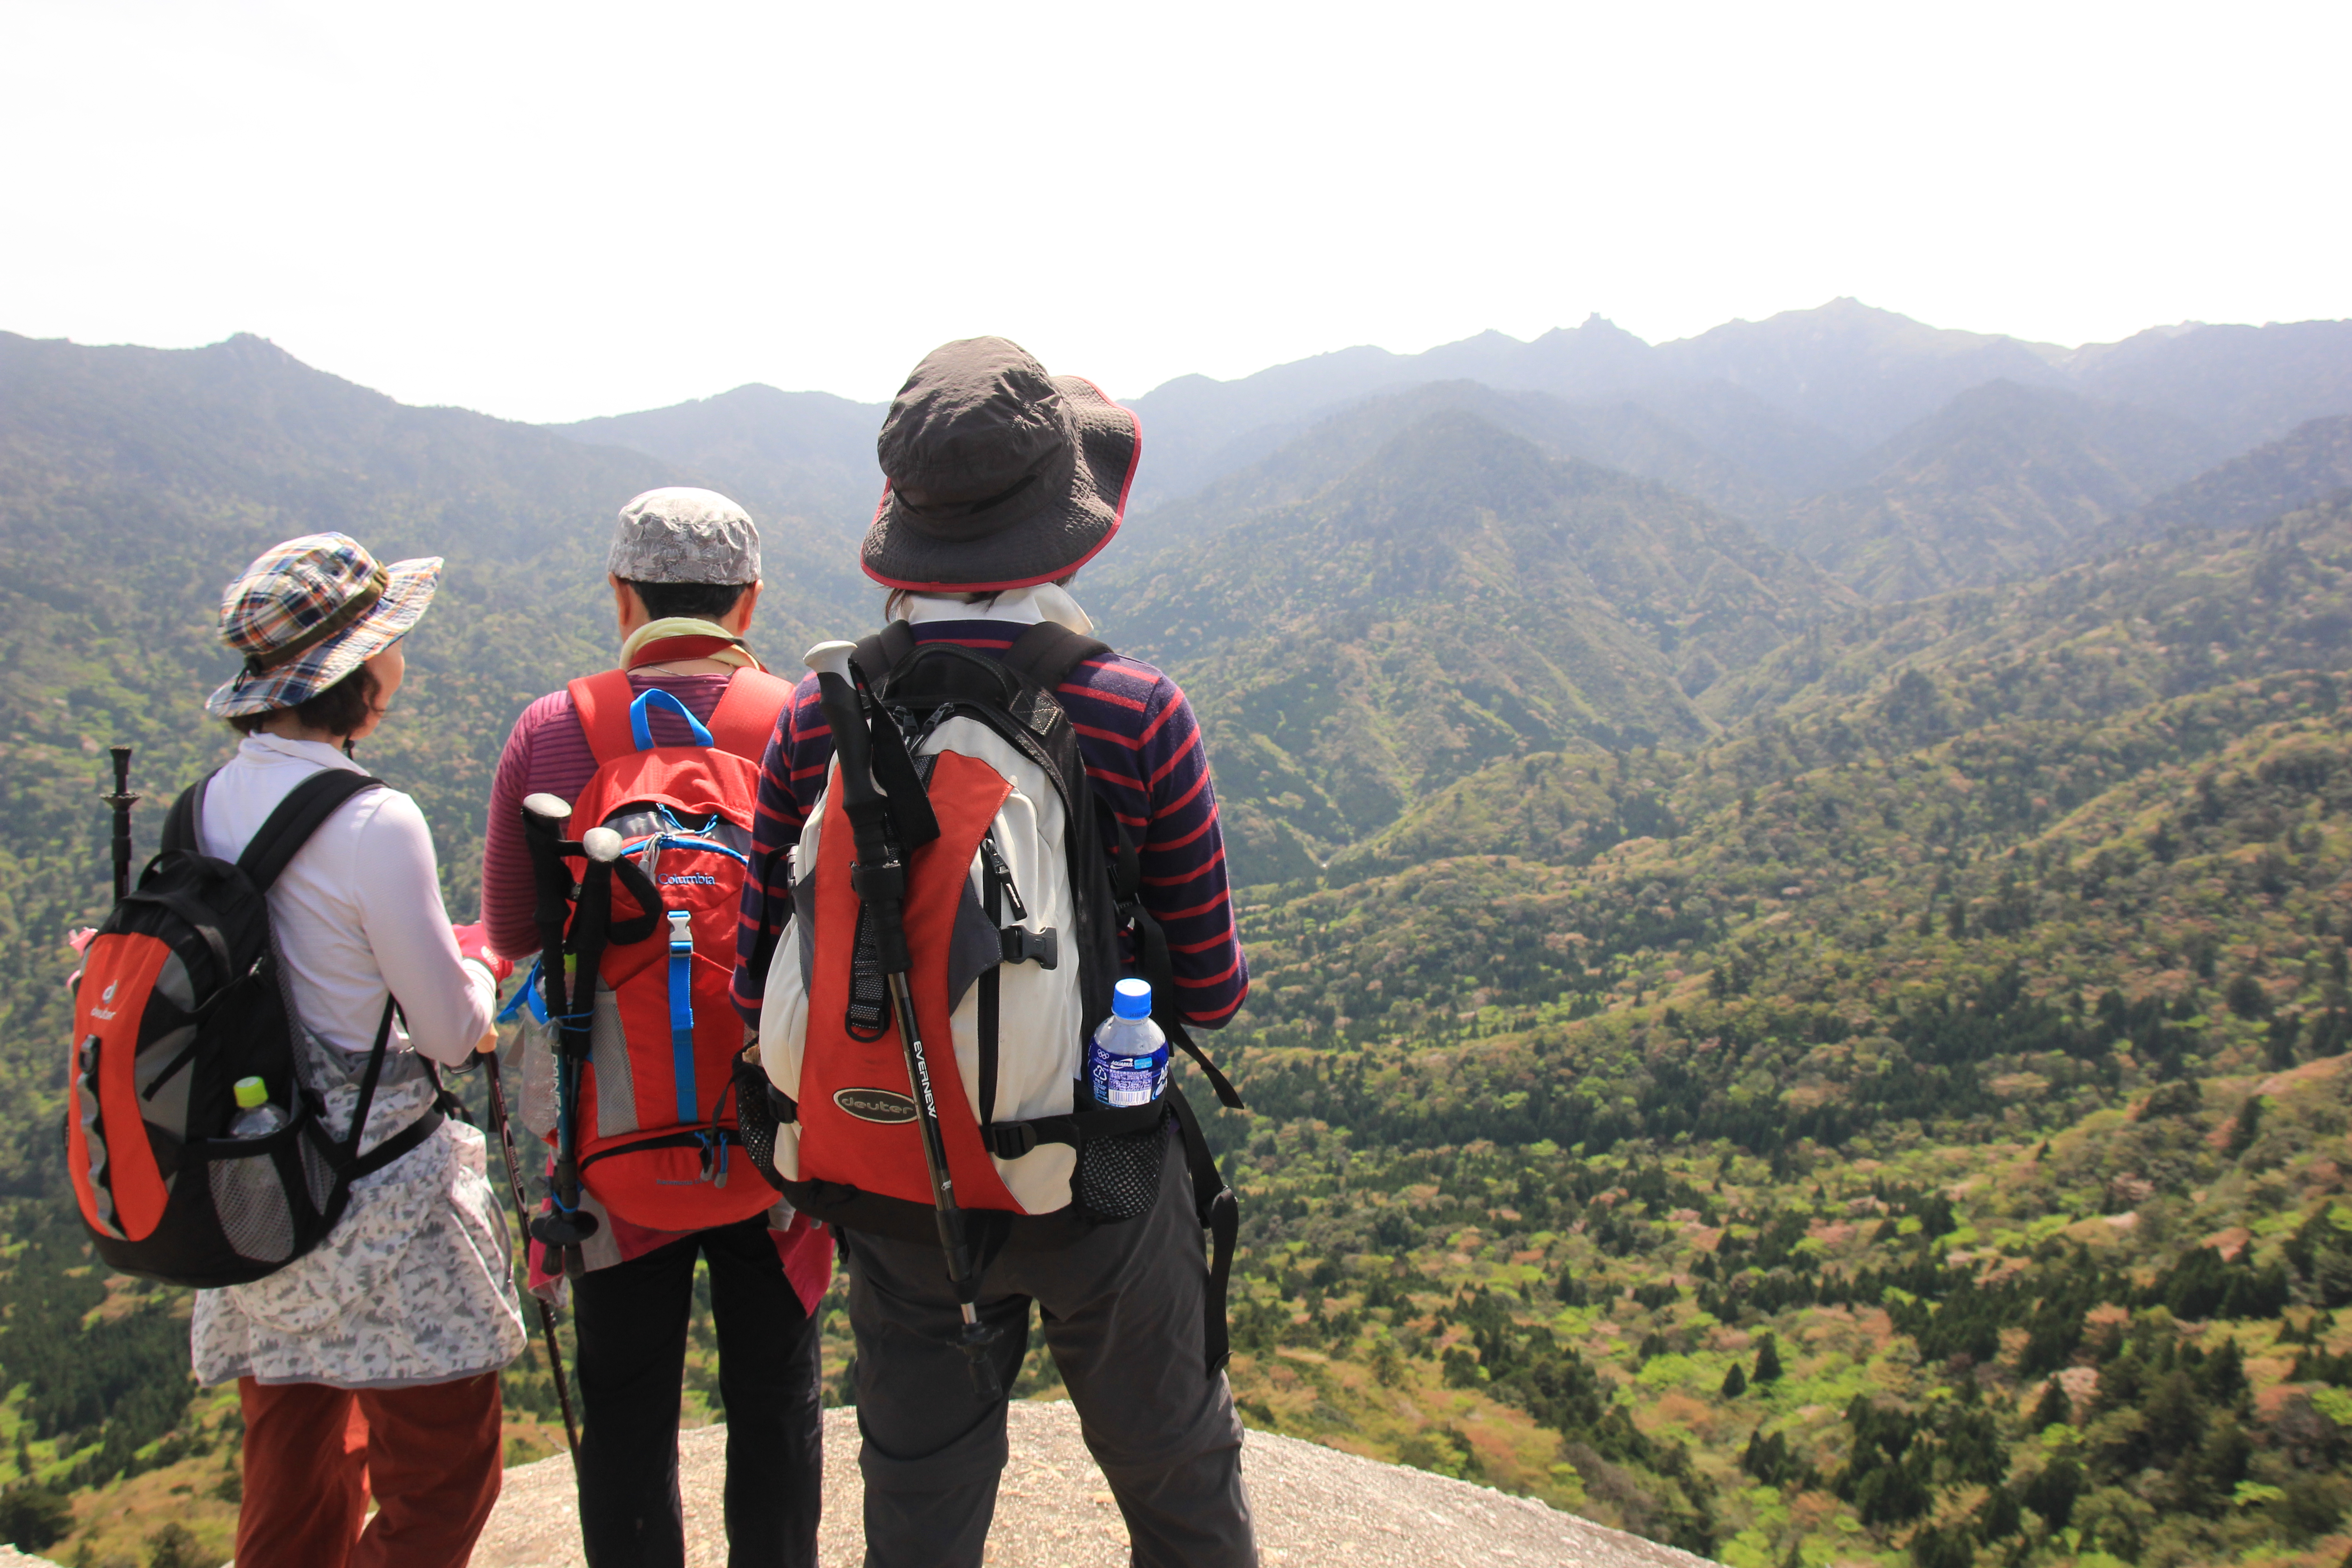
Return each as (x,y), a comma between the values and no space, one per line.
(1119,1177)
(317,1174)
(249,1198)
(757,1115)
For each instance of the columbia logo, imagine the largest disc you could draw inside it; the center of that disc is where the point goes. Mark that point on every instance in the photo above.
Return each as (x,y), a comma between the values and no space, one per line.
(704,878)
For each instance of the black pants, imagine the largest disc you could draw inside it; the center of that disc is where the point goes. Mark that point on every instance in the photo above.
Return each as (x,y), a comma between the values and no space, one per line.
(1121,1310)
(632,1322)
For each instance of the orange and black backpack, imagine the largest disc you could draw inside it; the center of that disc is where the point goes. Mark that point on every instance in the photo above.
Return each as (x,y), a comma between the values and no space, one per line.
(656,1130)
(180,996)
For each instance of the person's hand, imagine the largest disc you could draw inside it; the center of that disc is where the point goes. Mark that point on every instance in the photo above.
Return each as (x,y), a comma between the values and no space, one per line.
(488,1044)
(474,942)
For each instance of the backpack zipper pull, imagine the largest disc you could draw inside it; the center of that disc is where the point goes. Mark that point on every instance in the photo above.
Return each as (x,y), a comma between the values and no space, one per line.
(1003,874)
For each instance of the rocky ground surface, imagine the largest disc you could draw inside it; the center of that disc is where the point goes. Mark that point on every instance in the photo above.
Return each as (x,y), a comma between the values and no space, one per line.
(1315,1506)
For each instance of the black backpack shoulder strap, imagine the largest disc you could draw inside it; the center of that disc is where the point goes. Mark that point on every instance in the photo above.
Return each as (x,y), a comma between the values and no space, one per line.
(180,822)
(885,651)
(297,817)
(1048,652)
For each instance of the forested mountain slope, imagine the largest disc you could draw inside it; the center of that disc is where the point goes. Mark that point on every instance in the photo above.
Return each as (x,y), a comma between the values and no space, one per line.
(2144,623)
(135,482)
(1930,1152)
(801,462)
(2311,463)
(2002,482)
(1456,597)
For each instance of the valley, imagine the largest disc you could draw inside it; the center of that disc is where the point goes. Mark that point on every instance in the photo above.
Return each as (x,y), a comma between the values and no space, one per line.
(1796,886)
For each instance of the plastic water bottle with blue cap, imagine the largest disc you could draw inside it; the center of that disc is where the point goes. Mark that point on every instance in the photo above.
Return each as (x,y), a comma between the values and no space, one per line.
(1128,1059)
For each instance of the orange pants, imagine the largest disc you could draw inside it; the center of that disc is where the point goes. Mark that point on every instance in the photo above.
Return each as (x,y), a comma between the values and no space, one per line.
(312,1455)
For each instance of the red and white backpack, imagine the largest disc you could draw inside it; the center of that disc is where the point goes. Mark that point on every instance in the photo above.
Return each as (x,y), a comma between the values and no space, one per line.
(656,1124)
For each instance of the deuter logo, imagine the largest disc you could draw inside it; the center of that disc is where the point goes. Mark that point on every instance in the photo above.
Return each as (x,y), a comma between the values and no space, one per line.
(107,994)
(101,1010)
(886,1106)
(704,878)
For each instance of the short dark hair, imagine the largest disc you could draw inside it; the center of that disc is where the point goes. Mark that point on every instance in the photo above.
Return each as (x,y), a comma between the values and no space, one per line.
(339,709)
(692,601)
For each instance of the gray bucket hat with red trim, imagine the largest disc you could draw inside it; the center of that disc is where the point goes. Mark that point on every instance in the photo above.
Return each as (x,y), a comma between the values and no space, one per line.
(310,612)
(1000,475)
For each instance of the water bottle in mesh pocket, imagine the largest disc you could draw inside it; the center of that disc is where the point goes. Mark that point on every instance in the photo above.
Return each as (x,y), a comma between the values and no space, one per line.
(248,1191)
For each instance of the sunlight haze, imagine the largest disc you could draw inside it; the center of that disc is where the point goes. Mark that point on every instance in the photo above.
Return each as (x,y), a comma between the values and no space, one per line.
(550,212)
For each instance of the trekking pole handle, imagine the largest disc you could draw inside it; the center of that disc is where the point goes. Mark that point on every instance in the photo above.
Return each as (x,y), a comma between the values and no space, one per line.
(121,800)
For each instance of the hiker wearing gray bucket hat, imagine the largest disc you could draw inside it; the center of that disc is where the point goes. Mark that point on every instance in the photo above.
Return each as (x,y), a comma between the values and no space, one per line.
(1004,481)
(405,1313)
(1000,475)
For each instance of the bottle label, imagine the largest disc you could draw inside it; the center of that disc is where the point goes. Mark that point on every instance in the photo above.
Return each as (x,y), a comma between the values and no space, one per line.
(1130,1080)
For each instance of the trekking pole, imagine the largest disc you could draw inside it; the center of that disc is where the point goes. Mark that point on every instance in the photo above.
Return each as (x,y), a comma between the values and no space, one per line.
(121,800)
(564,1227)
(879,876)
(522,1213)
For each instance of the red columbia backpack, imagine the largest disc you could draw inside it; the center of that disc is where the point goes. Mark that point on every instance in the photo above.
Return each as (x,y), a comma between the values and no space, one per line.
(654,1124)
(180,997)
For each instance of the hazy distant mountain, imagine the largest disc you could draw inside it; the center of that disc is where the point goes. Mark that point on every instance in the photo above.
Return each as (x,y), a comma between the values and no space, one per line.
(2002,482)
(1453,596)
(800,462)
(1622,435)
(1858,371)
(2248,384)
(2311,464)
(1788,399)
(1196,429)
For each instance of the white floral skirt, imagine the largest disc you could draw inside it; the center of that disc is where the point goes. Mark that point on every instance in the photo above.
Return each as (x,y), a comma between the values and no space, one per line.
(415,1285)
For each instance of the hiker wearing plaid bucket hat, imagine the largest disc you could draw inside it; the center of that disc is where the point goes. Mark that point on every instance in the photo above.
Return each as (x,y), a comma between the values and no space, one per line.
(398,1321)
(309,612)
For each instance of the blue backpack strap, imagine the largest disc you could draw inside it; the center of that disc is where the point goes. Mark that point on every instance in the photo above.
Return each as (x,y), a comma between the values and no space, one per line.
(641,728)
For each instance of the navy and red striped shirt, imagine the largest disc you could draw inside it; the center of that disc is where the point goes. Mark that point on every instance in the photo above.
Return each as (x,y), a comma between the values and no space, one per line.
(1142,750)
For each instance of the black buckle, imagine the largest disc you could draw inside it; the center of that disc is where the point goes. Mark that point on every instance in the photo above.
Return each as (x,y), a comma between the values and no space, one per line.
(1021,944)
(1011,1139)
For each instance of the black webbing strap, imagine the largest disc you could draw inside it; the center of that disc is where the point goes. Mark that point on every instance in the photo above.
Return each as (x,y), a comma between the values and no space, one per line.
(1221,1216)
(180,822)
(302,812)
(1048,651)
(1151,954)
(894,768)
(885,651)
(350,1165)
(1011,1139)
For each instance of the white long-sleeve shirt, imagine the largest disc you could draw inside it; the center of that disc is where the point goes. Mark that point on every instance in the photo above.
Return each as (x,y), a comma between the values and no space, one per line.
(357,913)
(414,1285)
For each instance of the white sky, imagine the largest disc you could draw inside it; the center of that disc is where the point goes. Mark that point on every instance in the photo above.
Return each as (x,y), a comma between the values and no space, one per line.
(548,211)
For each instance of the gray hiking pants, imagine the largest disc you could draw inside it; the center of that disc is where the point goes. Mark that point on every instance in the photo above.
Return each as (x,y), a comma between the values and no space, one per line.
(1120,1308)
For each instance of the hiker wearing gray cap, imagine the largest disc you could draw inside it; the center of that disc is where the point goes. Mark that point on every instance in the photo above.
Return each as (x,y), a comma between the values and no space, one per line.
(688,694)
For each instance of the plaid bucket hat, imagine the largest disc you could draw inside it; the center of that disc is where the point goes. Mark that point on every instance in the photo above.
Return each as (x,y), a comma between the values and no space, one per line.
(310,611)
(999,476)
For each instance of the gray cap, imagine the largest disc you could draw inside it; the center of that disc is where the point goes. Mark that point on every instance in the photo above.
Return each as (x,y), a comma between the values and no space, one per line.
(681,534)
